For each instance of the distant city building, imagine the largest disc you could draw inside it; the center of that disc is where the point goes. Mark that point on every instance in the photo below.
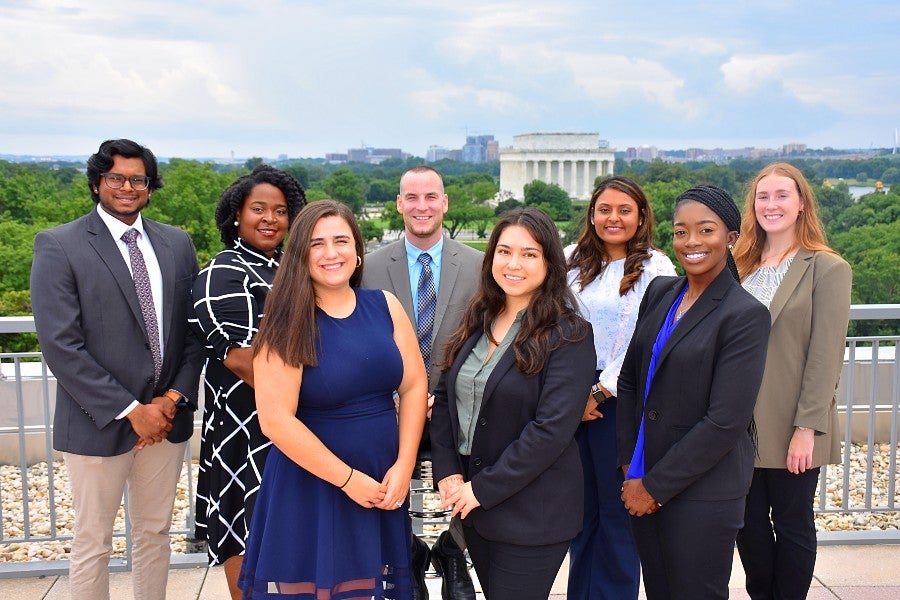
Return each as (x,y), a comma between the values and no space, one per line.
(476,148)
(570,160)
(793,148)
(436,153)
(455,155)
(492,151)
(367,154)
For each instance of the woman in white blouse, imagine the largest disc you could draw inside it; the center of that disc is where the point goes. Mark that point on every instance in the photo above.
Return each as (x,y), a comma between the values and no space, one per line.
(609,269)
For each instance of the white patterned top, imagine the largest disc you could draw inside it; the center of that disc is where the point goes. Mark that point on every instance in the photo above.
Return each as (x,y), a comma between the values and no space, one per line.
(613,316)
(764,281)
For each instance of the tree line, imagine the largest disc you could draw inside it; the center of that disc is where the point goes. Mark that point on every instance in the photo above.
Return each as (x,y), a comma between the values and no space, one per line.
(34,197)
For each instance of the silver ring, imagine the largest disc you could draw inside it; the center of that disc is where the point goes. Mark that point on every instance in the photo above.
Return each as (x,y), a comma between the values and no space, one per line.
(398,503)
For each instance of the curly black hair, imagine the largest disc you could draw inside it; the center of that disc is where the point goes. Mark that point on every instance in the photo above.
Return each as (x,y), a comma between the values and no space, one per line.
(102,161)
(232,199)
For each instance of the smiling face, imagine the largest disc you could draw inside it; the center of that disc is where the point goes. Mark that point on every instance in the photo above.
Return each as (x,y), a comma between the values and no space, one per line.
(332,253)
(124,203)
(423,203)
(777,205)
(263,218)
(518,266)
(615,217)
(700,240)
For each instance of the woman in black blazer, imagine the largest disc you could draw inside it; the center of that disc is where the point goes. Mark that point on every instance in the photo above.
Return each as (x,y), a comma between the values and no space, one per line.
(686,395)
(506,410)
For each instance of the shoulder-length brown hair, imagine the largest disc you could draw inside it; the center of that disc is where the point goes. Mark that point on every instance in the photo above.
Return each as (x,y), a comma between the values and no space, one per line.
(289,326)
(590,256)
(552,306)
(808,231)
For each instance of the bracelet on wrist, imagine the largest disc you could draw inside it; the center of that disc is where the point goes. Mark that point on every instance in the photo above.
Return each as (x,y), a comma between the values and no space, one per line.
(340,487)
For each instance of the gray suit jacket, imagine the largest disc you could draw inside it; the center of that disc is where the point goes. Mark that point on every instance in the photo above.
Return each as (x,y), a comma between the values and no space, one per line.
(809,313)
(92,334)
(386,269)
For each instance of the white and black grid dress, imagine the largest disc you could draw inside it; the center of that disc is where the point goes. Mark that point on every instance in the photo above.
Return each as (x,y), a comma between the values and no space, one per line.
(229,294)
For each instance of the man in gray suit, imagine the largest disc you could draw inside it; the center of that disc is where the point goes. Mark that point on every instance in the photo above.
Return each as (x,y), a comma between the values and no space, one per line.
(111,293)
(425,260)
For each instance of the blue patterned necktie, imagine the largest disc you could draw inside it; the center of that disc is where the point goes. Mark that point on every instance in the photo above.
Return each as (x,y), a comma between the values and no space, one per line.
(426,302)
(145,297)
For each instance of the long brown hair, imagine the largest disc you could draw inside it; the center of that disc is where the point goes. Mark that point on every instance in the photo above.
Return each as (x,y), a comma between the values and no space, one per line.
(289,326)
(590,256)
(552,305)
(808,231)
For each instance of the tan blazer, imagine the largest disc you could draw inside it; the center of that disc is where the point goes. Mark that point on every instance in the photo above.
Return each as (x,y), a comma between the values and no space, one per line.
(810,312)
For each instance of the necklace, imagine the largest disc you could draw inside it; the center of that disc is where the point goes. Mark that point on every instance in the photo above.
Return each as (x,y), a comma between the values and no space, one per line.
(683,307)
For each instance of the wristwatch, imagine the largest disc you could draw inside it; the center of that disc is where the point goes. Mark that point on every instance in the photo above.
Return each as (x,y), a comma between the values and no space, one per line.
(597,393)
(175,397)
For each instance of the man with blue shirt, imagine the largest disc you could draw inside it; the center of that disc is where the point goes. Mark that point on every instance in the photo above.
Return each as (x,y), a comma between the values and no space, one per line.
(434,277)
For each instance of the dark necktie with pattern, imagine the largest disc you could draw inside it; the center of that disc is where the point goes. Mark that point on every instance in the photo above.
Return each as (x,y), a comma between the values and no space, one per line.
(145,297)
(426,301)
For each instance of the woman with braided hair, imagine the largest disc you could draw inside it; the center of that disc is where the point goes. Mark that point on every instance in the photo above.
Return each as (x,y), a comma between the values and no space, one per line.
(687,390)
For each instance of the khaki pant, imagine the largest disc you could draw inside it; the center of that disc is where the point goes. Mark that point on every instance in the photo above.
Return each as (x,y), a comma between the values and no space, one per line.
(98,483)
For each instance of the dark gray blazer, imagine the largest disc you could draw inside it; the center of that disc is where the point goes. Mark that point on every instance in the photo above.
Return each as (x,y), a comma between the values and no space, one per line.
(92,334)
(696,440)
(386,269)
(524,464)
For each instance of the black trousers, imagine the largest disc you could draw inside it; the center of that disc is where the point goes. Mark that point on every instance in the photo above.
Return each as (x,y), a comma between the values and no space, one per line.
(778,542)
(514,572)
(687,548)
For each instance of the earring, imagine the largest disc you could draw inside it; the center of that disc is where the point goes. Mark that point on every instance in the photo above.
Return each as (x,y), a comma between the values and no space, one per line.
(730,247)
(358,261)
(235,222)
(641,223)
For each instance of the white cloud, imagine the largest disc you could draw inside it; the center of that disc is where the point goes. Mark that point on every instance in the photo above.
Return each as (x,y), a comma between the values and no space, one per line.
(752,73)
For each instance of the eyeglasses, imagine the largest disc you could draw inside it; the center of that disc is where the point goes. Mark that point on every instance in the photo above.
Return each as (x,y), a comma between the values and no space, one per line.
(115,181)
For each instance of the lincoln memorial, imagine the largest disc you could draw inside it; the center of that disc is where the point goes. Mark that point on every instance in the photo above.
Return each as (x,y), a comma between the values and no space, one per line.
(570,160)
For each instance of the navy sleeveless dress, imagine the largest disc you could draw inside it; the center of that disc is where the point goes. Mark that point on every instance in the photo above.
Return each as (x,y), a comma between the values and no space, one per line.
(308,540)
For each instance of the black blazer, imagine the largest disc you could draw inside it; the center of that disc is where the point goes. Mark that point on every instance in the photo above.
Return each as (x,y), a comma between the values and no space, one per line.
(91,332)
(696,440)
(524,465)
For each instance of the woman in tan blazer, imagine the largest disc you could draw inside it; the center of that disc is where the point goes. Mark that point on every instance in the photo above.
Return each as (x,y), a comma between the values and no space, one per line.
(784,261)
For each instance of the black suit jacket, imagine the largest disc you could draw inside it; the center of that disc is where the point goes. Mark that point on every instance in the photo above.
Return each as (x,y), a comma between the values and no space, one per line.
(524,465)
(92,334)
(700,406)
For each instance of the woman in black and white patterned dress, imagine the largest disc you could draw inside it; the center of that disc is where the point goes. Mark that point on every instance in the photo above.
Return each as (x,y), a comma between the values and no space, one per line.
(253,216)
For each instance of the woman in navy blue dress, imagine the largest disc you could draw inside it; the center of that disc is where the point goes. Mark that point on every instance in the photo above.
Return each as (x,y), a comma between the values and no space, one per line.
(330,517)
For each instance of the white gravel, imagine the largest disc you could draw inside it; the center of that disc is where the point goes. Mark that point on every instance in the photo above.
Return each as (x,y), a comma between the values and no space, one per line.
(39,508)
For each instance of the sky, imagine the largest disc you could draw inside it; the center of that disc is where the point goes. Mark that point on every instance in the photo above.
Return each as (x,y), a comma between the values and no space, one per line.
(216,78)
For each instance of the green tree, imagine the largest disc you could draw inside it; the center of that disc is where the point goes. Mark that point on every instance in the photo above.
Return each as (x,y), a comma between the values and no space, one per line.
(252,163)
(370,230)
(381,191)
(13,304)
(392,216)
(16,249)
(298,171)
(891,176)
(872,209)
(343,185)
(463,209)
(189,200)
(550,198)
(506,205)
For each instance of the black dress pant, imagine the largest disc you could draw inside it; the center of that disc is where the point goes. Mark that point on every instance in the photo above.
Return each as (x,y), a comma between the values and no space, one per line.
(514,572)
(778,542)
(687,548)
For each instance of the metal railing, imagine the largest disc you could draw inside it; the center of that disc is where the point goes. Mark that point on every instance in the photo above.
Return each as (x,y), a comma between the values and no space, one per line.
(868,399)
